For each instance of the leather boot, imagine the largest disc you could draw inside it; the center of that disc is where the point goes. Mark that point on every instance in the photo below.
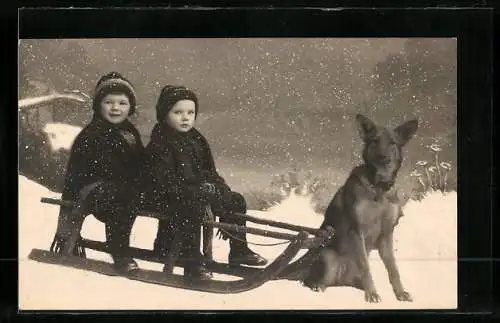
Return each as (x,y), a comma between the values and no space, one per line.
(117,240)
(198,272)
(240,254)
(125,265)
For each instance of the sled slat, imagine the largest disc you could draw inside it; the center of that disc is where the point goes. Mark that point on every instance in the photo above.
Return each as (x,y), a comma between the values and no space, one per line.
(315,242)
(277,224)
(260,232)
(49,200)
(176,281)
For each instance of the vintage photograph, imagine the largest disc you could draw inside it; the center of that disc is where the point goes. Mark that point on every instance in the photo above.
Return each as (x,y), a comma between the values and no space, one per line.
(237,174)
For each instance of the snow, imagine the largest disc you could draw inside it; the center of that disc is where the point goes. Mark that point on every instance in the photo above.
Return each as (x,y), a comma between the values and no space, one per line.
(29,102)
(425,240)
(61,135)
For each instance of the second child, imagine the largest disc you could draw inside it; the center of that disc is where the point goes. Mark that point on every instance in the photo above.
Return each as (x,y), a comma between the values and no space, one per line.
(181,179)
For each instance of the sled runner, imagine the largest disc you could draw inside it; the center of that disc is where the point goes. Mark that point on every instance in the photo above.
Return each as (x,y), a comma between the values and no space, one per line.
(71,220)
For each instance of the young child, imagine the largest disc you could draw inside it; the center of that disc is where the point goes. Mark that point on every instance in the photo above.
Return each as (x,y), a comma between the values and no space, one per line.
(181,179)
(105,165)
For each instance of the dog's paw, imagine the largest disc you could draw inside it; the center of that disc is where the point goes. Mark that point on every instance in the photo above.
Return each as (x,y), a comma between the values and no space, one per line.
(318,288)
(404,297)
(372,297)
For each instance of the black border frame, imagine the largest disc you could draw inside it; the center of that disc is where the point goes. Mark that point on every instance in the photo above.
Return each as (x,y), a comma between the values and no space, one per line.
(472,26)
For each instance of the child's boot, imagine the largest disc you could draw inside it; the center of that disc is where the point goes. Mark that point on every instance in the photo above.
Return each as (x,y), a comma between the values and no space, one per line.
(125,265)
(240,254)
(197,271)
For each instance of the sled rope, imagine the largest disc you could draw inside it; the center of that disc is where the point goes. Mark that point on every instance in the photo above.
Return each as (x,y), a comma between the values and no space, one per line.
(220,232)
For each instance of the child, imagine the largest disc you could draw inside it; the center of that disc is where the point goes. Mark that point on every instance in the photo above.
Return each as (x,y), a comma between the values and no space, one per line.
(104,163)
(181,179)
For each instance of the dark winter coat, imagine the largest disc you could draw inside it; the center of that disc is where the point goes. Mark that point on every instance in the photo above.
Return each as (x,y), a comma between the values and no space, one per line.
(103,152)
(176,165)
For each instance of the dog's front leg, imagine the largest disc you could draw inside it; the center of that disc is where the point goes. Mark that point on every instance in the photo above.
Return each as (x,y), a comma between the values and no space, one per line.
(386,252)
(371,294)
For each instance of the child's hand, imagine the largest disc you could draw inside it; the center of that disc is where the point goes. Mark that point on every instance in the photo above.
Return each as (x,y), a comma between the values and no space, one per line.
(208,189)
(215,192)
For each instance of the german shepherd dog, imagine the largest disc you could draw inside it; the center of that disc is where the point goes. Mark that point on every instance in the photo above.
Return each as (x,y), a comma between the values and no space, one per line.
(364,213)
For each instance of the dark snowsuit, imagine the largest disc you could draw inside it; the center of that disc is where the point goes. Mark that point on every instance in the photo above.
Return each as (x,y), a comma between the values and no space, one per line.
(176,165)
(110,155)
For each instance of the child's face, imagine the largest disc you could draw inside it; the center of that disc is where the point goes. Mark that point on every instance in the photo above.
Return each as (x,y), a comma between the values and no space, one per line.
(115,108)
(181,116)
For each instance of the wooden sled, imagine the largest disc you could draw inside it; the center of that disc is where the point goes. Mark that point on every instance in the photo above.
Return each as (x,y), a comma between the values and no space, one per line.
(71,220)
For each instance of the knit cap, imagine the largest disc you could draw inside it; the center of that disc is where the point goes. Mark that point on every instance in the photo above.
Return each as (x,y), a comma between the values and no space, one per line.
(114,82)
(169,96)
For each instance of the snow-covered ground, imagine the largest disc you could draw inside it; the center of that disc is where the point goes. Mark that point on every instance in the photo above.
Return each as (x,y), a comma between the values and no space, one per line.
(426,243)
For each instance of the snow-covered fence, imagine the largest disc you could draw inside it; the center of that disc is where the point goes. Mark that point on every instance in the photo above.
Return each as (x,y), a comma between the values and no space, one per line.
(45,136)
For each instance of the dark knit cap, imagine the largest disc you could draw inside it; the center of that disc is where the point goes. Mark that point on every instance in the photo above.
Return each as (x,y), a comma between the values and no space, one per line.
(115,83)
(169,96)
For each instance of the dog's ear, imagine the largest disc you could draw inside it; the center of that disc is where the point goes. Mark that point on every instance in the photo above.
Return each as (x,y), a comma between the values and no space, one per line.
(406,131)
(366,128)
